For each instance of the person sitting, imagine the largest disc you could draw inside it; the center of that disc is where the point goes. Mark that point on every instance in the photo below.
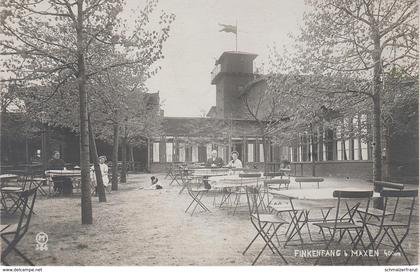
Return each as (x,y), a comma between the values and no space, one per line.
(62,185)
(104,172)
(235,162)
(214,161)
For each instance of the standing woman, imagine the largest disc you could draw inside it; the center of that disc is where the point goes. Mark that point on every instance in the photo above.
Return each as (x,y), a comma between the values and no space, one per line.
(104,171)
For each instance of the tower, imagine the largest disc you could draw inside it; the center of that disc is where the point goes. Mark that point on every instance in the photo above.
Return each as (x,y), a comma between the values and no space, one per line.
(232,71)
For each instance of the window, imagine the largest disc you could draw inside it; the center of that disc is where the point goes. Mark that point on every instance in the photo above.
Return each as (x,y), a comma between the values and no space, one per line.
(181,152)
(346,149)
(304,149)
(339,150)
(221,152)
(328,145)
(250,152)
(188,153)
(291,154)
(169,152)
(355,149)
(155,152)
(194,153)
(299,159)
(310,154)
(261,152)
(363,150)
(208,150)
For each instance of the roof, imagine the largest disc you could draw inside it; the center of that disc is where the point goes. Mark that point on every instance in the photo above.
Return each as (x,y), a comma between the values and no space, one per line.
(226,53)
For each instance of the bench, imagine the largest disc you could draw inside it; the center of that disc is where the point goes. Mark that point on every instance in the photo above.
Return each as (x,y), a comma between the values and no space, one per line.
(308,180)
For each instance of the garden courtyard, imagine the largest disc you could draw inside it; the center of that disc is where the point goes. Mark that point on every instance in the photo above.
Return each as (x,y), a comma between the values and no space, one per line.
(150,228)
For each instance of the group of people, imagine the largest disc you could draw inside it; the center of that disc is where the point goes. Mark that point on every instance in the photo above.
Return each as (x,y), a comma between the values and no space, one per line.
(64,185)
(215,161)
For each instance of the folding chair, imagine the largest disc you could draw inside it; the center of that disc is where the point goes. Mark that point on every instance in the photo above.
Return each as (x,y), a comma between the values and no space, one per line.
(175,174)
(263,223)
(388,224)
(346,223)
(18,231)
(238,192)
(272,179)
(185,179)
(11,194)
(196,194)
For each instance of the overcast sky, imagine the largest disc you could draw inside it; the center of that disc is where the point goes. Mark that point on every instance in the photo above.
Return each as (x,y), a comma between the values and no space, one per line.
(195,42)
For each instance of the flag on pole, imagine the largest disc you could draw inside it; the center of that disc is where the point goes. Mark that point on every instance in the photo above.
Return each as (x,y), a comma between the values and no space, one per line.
(228,28)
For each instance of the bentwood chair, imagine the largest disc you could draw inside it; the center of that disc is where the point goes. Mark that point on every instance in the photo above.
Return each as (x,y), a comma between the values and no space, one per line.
(266,224)
(11,234)
(345,221)
(394,223)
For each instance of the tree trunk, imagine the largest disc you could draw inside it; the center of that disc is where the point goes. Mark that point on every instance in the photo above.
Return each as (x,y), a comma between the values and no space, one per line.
(131,156)
(44,152)
(114,186)
(265,148)
(377,148)
(377,86)
(26,150)
(86,200)
(124,157)
(98,173)
(387,158)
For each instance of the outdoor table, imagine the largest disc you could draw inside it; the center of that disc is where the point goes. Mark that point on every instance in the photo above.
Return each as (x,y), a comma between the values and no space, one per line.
(226,183)
(60,173)
(198,176)
(300,214)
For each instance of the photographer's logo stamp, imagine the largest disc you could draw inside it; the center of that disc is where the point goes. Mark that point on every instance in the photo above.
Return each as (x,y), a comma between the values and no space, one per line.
(41,239)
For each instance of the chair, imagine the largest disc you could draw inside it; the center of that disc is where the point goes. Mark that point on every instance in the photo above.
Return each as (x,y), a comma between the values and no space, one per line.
(271,179)
(263,223)
(238,192)
(17,231)
(175,174)
(196,194)
(12,194)
(389,223)
(379,212)
(346,223)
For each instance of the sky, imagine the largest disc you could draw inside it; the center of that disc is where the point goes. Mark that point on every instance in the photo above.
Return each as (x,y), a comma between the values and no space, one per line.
(195,43)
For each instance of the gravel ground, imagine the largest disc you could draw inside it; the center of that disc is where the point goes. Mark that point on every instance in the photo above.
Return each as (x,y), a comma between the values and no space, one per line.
(149,227)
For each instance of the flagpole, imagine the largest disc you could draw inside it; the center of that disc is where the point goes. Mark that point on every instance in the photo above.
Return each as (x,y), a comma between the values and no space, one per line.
(236,36)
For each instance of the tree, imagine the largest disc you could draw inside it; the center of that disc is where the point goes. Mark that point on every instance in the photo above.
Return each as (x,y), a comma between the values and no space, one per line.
(59,43)
(359,42)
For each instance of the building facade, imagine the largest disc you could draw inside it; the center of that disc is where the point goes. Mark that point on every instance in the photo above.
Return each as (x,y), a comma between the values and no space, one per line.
(344,150)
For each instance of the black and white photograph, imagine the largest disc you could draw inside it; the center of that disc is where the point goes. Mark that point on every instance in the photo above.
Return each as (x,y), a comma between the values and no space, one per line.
(209,134)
